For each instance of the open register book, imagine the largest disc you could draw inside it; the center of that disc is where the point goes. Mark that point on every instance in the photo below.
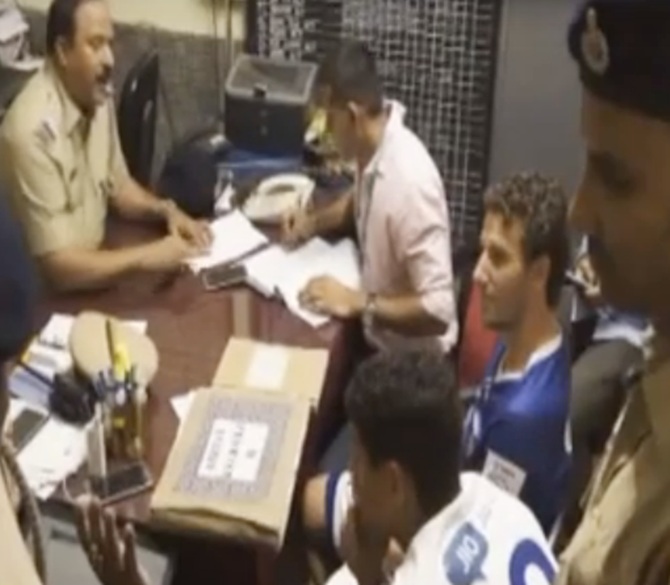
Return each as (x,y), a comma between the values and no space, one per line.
(286,273)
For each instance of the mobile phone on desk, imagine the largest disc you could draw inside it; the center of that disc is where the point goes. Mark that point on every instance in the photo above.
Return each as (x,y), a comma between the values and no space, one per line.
(26,425)
(124,482)
(219,277)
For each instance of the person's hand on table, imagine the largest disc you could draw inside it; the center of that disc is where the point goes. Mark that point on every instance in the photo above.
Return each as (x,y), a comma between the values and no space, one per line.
(330,297)
(587,274)
(111,553)
(298,226)
(195,232)
(169,253)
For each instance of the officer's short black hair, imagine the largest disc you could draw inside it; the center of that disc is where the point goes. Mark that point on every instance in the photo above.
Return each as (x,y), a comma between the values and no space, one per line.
(404,407)
(61,21)
(350,74)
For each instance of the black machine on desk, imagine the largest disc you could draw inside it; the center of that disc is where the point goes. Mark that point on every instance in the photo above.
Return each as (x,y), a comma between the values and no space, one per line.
(267,102)
(265,119)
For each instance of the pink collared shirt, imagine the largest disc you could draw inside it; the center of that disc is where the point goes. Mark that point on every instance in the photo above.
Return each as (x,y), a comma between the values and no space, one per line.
(402,221)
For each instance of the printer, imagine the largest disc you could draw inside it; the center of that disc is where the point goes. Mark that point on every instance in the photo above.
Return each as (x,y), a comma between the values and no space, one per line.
(266,104)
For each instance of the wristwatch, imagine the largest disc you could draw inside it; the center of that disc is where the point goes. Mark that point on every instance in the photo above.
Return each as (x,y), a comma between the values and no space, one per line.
(369,310)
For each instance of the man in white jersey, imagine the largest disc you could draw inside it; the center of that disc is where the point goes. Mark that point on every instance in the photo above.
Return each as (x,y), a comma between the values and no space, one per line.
(406,494)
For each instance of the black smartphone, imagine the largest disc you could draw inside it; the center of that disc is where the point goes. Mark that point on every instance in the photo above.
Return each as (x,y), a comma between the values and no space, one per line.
(26,426)
(122,483)
(222,276)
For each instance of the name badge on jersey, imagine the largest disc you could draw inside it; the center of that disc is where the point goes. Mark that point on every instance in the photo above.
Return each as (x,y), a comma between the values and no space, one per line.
(465,555)
(502,472)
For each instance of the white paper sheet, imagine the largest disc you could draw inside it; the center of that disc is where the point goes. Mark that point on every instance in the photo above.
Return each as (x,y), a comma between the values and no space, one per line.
(58,450)
(234,236)
(265,270)
(182,404)
(318,258)
(267,367)
(234,450)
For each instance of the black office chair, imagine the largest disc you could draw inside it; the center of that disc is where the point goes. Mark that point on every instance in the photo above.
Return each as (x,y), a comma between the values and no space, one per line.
(137,116)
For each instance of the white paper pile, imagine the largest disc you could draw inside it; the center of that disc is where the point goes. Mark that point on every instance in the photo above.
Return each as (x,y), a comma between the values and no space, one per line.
(182,404)
(287,273)
(55,452)
(234,236)
(265,270)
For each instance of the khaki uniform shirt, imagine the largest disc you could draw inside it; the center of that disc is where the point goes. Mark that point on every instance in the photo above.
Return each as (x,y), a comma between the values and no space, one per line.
(59,167)
(624,538)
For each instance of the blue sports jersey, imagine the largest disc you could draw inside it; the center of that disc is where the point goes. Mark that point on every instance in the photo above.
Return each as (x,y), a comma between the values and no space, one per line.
(517,432)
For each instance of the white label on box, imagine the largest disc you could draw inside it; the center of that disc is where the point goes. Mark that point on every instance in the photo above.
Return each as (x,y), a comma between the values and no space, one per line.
(234,451)
(267,367)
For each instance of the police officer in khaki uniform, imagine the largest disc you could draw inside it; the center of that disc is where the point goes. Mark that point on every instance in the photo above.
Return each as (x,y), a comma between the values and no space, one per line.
(623,206)
(61,160)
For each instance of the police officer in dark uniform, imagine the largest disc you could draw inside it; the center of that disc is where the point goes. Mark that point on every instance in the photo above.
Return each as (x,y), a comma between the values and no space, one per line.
(622,48)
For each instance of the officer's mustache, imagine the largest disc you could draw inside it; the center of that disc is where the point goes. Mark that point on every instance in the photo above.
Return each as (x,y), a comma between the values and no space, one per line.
(105,79)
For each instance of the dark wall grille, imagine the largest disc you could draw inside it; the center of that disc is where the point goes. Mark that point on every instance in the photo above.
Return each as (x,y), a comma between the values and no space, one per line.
(436,56)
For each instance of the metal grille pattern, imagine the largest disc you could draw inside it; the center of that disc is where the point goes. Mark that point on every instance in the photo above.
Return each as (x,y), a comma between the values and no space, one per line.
(435,56)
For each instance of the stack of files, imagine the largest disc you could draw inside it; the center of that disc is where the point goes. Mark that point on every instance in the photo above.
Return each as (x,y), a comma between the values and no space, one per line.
(275,271)
(234,237)
(48,355)
(56,451)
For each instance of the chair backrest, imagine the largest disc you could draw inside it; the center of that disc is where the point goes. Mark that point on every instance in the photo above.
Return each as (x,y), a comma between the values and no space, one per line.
(137,116)
(476,342)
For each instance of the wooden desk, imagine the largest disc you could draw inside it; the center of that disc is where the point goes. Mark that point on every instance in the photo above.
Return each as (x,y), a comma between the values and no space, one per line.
(190,328)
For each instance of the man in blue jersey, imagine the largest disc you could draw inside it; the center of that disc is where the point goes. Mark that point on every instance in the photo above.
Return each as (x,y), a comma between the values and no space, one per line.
(406,498)
(516,429)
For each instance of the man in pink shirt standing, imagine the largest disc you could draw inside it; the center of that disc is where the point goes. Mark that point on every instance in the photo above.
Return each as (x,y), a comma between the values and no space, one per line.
(398,209)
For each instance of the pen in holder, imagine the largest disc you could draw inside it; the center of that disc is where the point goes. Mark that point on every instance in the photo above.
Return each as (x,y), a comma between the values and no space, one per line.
(122,414)
(123,401)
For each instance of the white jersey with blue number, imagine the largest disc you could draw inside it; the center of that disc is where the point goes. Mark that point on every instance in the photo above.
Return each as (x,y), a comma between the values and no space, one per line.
(485,536)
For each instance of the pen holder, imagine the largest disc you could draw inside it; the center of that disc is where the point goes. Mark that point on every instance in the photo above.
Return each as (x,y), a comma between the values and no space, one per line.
(125,426)
(123,403)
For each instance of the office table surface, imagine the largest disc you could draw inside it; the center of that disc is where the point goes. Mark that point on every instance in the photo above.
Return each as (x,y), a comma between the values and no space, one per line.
(190,328)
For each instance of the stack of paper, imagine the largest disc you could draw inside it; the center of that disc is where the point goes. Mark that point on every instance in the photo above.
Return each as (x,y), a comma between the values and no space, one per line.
(286,273)
(234,236)
(266,269)
(55,452)
(182,404)
(317,258)
(48,355)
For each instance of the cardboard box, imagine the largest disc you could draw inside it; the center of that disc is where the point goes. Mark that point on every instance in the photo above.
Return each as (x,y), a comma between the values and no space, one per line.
(273,368)
(233,467)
